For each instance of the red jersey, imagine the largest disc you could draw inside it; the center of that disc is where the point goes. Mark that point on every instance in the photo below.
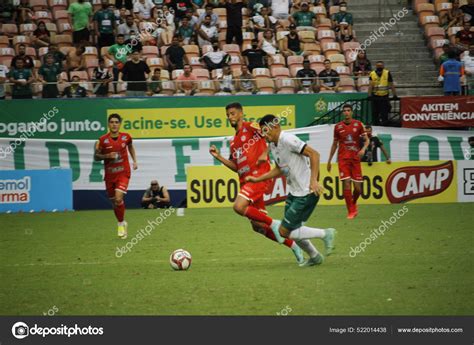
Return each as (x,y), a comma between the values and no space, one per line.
(245,148)
(120,165)
(348,136)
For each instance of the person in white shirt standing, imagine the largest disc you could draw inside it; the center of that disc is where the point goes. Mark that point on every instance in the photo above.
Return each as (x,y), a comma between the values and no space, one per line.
(3,78)
(300,164)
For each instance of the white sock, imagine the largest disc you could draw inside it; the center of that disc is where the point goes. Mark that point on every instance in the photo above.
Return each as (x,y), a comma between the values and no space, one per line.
(308,247)
(305,232)
(121,223)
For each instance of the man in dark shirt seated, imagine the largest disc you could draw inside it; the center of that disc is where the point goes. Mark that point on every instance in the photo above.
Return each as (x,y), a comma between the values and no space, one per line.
(156,196)
(329,78)
(307,79)
(75,90)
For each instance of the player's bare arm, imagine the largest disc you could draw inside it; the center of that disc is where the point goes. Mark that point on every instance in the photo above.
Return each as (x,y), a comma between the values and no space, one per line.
(131,149)
(275,172)
(263,157)
(331,153)
(366,145)
(314,159)
(214,151)
(385,153)
(98,156)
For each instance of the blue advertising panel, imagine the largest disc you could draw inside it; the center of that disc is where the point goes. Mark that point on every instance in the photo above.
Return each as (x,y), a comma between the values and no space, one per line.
(35,190)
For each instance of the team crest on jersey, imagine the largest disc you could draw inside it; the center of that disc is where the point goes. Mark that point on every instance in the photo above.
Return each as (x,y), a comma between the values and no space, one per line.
(243,137)
(106,141)
(356,124)
(349,137)
(124,137)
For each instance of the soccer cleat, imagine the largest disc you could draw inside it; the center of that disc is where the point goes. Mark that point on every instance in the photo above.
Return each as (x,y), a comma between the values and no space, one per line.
(120,231)
(329,240)
(276,231)
(299,254)
(125,233)
(317,260)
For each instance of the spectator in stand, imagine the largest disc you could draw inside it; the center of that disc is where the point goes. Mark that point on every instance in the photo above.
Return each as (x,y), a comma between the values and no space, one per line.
(75,90)
(22,78)
(465,38)
(124,4)
(155,85)
(3,78)
(164,33)
(206,32)
(329,78)
(180,7)
(263,20)
(187,81)
(102,78)
(118,53)
(304,19)
(291,43)
(281,8)
(234,20)
(156,197)
(49,75)
(192,19)
(361,66)
(342,23)
(76,60)
(375,143)
(215,58)
(268,43)
(444,57)
(7,13)
(246,83)
(450,74)
(381,82)
(80,13)
(226,80)
(468,61)
(24,12)
(468,10)
(186,30)
(197,4)
(142,10)
(125,28)
(134,43)
(209,12)
(104,25)
(175,55)
(453,17)
(135,73)
(59,57)
(307,79)
(41,36)
(255,57)
(27,60)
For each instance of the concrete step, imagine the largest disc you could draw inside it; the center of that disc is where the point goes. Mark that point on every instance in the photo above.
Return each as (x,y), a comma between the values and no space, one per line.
(404,45)
(403,54)
(364,26)
(419,91)
(392,32)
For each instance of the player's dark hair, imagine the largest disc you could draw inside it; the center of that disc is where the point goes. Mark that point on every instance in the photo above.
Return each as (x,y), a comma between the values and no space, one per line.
(347,105)
(267,120)
(235,105)
(115,116)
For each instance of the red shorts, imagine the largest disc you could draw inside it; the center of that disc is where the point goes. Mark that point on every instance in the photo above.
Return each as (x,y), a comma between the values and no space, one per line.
(254,193)
(118,182)
(350,168)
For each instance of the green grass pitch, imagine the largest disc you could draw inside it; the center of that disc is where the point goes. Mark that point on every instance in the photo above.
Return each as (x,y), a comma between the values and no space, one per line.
(423,265)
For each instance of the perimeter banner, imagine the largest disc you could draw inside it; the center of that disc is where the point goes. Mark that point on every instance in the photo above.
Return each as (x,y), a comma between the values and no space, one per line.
(437,112)
(400,182)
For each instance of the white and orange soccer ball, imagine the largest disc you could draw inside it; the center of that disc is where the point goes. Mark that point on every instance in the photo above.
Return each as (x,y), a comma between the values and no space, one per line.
(180,260)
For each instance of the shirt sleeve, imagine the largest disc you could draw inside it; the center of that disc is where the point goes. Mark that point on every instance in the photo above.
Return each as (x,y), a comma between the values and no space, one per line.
(294,143)
(390,78)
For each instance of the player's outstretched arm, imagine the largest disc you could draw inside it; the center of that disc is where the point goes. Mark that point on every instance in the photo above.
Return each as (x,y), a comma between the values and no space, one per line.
(275,172)
(314,158)
(331,153)
(216,154)
(101,156)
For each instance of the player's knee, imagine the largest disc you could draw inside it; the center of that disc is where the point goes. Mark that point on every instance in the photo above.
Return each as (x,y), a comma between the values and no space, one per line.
(239,209)
(118,202)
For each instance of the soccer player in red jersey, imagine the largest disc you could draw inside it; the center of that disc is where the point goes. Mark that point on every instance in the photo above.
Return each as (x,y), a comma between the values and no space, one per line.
(113,149)
(249,157)
(347,134)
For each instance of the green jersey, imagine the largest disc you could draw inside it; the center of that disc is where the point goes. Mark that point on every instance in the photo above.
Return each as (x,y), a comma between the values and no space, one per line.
(343,17)
(80,15)
(120,52)
(21,74)
(304,18)
(105,21)
(50,72)
(186,32)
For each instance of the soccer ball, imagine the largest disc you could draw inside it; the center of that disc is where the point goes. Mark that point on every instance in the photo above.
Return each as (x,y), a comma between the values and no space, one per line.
(180,260)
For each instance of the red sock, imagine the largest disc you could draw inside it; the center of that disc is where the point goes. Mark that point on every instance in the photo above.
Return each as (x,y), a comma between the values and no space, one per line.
(254,214)
(120,211)
(355,196)
(269,234)
(348,198)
